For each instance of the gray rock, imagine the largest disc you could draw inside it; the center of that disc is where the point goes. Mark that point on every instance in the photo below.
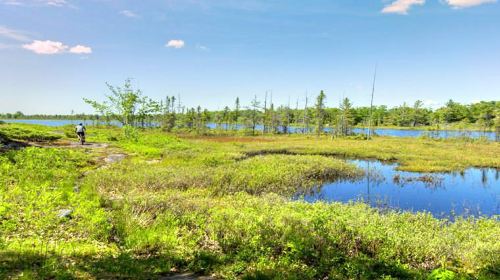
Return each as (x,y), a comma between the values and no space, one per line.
(114,158)
(64,213)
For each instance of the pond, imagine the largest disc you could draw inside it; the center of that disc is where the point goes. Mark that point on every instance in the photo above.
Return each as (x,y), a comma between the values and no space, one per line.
(474,192)
(379,131)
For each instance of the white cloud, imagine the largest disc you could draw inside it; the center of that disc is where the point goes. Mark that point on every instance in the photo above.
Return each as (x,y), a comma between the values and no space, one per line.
(129,14)
(52,47)
(401,6)
(13,34)
(467,3)
(203,48)
(12,2)
(52,3)
(79,49)
(55,3)
(46,47)
(176,44)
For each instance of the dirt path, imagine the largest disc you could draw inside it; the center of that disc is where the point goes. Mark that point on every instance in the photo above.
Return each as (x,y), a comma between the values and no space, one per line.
(88,145)
(68,144)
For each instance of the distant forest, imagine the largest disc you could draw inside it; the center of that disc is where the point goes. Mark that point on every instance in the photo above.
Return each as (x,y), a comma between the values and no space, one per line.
(130,107)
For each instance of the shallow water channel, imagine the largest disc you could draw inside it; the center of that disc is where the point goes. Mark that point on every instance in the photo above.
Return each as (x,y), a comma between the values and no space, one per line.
(474,192)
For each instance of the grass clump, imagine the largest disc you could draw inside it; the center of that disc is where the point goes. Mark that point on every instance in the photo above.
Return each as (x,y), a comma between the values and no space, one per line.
(153,145)
(27,133)
(283,174)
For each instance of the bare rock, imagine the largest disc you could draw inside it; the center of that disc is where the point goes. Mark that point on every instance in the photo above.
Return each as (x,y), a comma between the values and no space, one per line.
(64,213)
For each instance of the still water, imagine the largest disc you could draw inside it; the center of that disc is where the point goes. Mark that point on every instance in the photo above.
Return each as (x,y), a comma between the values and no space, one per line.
(473,192)
(390,132)
(56,123)
(379,131)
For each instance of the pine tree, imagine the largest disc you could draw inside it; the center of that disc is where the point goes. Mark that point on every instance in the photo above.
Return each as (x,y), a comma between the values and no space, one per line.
(320,113)
(346,118)
(254,113)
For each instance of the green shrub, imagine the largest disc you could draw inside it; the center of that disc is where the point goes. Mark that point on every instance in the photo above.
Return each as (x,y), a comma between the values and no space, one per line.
(131,133)
(442,274)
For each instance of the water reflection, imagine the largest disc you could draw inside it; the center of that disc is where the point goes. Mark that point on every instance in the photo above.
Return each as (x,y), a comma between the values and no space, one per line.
(471,192)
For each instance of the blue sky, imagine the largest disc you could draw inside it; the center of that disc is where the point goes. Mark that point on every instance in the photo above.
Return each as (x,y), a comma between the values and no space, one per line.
(54,52)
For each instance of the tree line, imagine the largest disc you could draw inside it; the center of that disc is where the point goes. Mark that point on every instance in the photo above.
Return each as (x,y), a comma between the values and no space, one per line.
(130,107)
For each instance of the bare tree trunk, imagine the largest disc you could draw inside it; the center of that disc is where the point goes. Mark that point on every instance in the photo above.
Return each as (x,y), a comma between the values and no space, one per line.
(371,106)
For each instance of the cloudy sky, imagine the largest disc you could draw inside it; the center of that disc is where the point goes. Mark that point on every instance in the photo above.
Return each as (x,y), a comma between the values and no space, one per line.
(54,52)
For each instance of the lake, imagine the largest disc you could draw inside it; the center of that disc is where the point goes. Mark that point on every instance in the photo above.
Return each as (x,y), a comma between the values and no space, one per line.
(395,132)
(378,131)
(473,192)
(56,123)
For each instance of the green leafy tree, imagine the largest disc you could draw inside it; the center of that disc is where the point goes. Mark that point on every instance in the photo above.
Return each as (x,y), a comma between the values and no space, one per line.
(18,115)
(103,109)
(122,103)
(419,115)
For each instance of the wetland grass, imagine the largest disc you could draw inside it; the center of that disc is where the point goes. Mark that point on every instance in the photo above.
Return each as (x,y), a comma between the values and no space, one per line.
(204,205)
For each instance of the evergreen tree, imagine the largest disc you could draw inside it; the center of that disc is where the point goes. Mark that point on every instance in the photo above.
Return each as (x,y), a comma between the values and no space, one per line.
(254,113)
(346,118)
(320,112)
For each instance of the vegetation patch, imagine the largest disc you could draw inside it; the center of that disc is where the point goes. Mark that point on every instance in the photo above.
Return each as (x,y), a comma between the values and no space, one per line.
(224,208)
(27,133)
(40,208)
(283,174)
(267,236)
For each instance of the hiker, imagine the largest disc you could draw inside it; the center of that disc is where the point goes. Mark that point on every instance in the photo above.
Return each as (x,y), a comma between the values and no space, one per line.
(80,131)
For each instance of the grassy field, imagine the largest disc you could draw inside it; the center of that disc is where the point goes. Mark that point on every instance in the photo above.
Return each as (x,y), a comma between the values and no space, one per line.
(221,205)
